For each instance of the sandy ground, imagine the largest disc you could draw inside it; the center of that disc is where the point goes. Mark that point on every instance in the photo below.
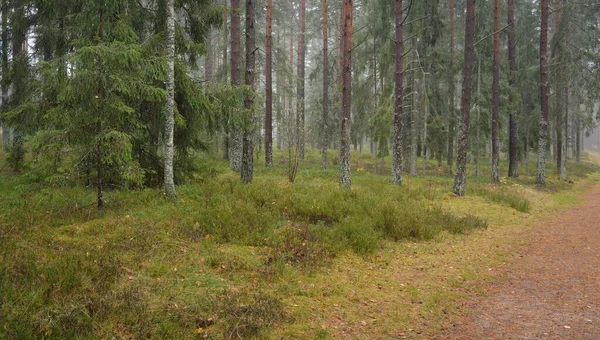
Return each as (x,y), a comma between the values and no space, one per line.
(552,289)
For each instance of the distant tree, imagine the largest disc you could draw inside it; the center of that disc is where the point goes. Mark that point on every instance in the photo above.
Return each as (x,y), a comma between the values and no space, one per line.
(269,87)
(235,136)
(325,143)
(300,97)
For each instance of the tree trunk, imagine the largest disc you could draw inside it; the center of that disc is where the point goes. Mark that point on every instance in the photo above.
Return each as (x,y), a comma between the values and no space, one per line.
(460,180)
(247,171)
(399,96)
(170,105)
(301,80)
(513,141)
(543,138)
(559,96)
(324,144)
(414,111)
(452,109)
(477,127)
(269,88)
(235,142)
(496,96)
(209,60)
(345,179)
(5,68)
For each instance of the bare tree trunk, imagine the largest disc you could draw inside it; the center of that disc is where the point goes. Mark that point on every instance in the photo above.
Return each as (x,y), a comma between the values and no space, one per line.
(247,171)
(209,60)
(478,128)
(235,141)
(345,179)
(513,141)
(269,88)
(496,96)
(460,180)
(559,90)
(424,147)
(543,141)
(170,105)
(291,133)
(565,131)
(324,145)
(301,81)
(578,137)
(452,109)
(414,111)
(5,68)
(399,94)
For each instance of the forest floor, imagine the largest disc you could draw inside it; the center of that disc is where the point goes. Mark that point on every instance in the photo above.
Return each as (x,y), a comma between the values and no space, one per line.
(302,260)
(551,288)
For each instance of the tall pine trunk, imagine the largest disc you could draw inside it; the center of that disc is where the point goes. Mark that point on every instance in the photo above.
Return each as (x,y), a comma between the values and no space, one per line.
(269,88)
(5,68)
(324,142)
(543,138)
(452,109)
(513,141)
(301,81)
(414,111)
(247,171)
(496,96)
(460,180)
(559,97)
(235,133)
(345,179)
(170,105)
(399,96)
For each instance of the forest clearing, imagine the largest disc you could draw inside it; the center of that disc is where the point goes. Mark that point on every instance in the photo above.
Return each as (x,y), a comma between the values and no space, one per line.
(299,169)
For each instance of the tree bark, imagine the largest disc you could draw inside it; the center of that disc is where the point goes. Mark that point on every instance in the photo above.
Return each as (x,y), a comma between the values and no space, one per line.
(247,171)
(513,140)
(543,135)
(345,179)
(269,88)
(399,96)
(460,180)
(414,111)
(496,96)
(324,145)
(559,97)
(451,111)
(301,81)
(235,142)
(5,68)
(170,105)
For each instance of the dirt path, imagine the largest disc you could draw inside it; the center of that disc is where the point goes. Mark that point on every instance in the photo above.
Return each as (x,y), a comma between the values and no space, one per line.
(552,290)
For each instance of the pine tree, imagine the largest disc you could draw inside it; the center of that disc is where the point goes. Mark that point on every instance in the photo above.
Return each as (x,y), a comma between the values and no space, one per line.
(460,180)
(170,104)
(543,134)
(399,96)
(345,177)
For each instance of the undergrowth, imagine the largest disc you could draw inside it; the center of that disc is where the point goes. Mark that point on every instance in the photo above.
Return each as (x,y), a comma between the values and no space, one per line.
(206,265)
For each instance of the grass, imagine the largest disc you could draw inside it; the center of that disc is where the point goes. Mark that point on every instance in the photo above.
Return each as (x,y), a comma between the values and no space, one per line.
(267,260)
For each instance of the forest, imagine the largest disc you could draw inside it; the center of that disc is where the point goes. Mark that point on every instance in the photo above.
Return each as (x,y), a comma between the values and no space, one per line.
(231,169)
